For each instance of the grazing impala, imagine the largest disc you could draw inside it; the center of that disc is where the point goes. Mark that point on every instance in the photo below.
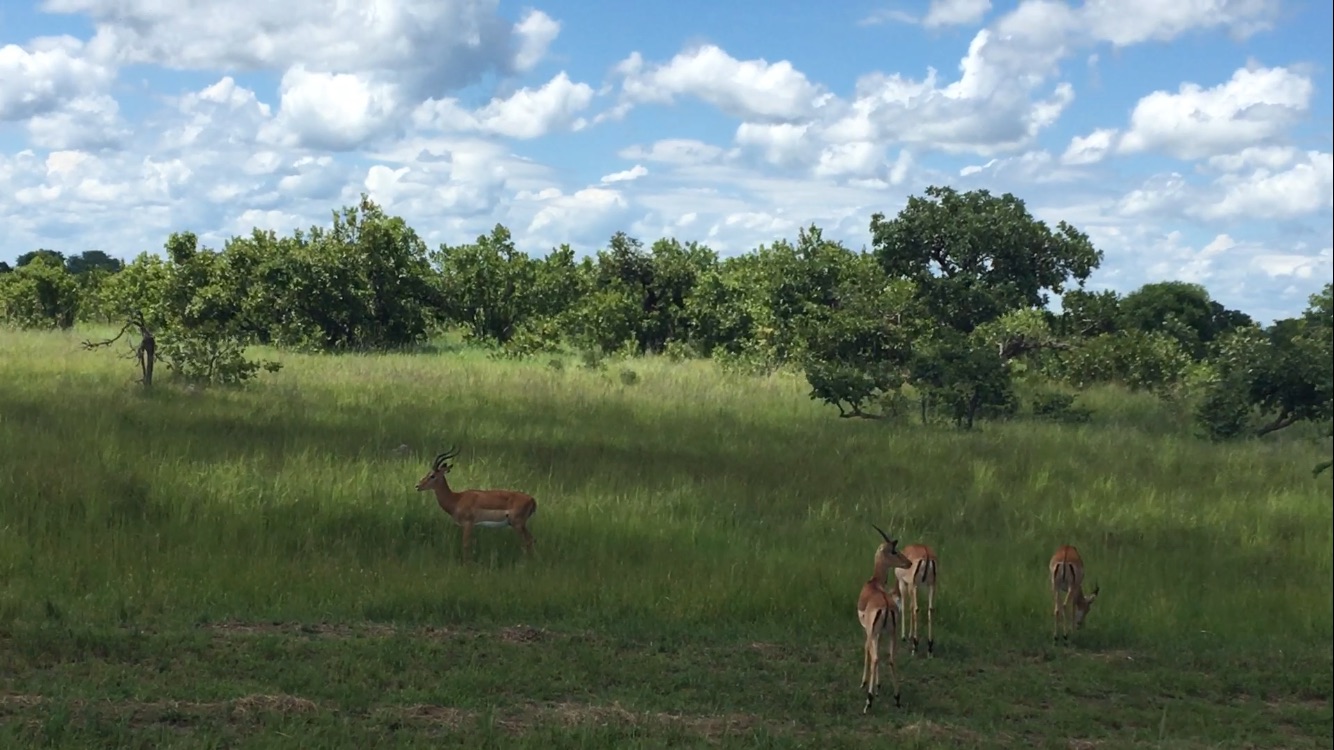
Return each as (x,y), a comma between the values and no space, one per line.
(479,507)
(921,574)
(1067,577)
(878,610)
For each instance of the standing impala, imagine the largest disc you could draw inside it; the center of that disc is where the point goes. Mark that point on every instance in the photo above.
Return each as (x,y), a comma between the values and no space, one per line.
(921,574)
(479,507)
(878,612)
(1067,577)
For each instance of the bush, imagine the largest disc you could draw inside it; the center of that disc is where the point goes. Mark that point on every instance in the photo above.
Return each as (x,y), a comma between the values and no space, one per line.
(1225,411)
(1059,407)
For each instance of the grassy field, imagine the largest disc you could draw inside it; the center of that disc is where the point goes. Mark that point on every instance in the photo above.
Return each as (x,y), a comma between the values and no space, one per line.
(252,567)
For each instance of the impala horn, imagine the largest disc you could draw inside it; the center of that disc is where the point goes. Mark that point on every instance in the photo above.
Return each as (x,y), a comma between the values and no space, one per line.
(893,543)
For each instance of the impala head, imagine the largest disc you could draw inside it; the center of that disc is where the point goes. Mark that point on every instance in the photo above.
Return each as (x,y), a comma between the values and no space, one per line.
(1082,605)
(889,551)
(439,468)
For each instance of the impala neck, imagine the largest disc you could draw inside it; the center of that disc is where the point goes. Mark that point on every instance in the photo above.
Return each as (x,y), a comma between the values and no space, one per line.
(446,497)
(880,574)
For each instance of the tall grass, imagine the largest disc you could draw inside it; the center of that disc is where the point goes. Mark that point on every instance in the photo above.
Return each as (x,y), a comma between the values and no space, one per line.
(688,499)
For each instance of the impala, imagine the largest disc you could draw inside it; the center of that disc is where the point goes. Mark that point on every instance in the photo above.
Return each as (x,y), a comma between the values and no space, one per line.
(491,508)
(922,573)
(1067,577)
(878,611)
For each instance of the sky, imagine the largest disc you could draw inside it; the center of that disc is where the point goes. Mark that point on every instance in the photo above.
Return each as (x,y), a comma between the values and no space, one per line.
(1191,140)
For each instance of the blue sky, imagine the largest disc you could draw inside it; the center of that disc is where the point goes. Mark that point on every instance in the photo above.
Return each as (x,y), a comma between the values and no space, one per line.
(1191,141)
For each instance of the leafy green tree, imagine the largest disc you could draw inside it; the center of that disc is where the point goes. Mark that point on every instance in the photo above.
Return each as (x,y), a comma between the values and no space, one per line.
(1085,314)
(362,283)
(1153,362)
(92,260)
(40,293)
(185,312)
(1284,373)
(54,256)
(856,349)
(1181,310)
(963,374)
(488,286)
(975,256)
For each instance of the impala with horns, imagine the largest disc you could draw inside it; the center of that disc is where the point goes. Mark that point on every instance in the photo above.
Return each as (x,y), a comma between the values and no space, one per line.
(921,574)
(1069,604)
(878,609)
(489,508)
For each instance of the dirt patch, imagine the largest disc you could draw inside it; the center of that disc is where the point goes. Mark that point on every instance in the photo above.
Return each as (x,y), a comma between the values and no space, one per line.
(277,704)
(233,628)
(523,634)
(1115,655)
(510,634)
(925,729)
(441,715)
(526,717)
(1307,704)
(142,713)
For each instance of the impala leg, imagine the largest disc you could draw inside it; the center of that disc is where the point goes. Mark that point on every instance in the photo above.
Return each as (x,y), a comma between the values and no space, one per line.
(901,624)
(1055,614)
(930,620)
(893,673)
(866,661)
(1068,614)
(914,620)
(467,540)
(873,653)
(525,536)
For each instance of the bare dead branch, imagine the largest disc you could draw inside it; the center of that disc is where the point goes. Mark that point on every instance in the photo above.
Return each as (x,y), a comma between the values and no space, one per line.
(145,352)
(90,345)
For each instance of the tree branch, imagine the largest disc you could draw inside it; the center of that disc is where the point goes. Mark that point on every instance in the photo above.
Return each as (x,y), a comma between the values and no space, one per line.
(88,344)
(1282,421)
(1020,345)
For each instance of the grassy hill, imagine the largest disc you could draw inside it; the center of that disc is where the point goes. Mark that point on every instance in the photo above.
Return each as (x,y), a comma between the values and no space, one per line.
(253,568)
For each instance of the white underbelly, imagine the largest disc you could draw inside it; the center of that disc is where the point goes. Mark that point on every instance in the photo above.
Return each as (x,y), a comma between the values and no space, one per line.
(493,524)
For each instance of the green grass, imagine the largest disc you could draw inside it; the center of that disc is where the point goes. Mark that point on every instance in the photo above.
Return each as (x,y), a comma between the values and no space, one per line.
(252,567)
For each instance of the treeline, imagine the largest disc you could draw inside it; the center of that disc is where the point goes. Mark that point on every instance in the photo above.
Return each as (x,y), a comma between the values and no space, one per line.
(948,304)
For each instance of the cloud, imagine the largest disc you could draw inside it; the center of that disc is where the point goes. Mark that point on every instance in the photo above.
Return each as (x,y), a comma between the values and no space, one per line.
(1256,105)
(955,12)
(748,89)
(46,75)
(527,113)
(456,116)
(939,13)
(535,33)
(626,175)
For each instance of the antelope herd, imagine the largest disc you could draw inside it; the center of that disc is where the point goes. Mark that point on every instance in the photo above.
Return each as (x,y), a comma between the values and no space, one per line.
(880,606)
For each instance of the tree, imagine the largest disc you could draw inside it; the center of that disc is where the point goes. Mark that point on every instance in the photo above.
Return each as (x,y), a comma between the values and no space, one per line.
(975,256)
(857,348)
(39,293)
(1284,373)
(1086,314)
(55,256)
(92,260)
(1179,309)
(184,309)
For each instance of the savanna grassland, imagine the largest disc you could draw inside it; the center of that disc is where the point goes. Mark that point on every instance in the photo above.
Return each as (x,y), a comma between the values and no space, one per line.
(251,567)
